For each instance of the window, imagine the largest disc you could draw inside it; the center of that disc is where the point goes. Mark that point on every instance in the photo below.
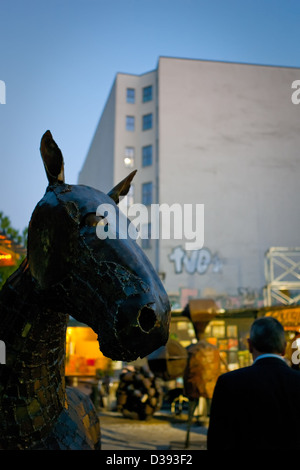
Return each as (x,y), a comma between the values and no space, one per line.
(129,157)
(130,123)
(130,95)
(147,122)
(146,236)
(147,194)
(130,196)
(147,155)
(147,93)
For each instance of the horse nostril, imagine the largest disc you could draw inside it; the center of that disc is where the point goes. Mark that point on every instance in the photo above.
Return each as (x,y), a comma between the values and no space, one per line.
(146,319)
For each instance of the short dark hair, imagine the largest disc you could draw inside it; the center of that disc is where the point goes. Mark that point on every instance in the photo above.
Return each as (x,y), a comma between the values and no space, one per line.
(267,335)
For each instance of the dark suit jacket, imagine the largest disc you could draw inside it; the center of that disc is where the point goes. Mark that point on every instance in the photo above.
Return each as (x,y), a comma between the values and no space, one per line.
(256,407)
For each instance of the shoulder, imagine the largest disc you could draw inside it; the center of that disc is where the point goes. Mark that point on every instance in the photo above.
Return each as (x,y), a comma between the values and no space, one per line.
(235,376)
(262,369)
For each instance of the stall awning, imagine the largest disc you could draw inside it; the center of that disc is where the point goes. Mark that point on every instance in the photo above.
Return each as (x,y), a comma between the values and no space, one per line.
(289,317)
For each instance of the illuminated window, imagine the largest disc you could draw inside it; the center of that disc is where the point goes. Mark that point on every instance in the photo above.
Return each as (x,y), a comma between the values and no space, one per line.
(130,196)
(129,157)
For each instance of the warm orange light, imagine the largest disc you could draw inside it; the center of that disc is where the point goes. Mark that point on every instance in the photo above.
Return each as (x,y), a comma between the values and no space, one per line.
(5,257)
(83,354)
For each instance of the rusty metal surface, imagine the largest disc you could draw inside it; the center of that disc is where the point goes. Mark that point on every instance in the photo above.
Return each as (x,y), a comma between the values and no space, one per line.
(107,284)
(169,361)
(202,371)
(201,312)
(139,394)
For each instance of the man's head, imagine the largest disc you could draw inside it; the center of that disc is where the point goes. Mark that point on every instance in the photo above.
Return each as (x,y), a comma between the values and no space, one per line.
(267,336)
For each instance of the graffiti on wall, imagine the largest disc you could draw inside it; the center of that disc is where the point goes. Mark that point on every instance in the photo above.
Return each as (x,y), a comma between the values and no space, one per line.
(203,261)
(246,297)
(197,261)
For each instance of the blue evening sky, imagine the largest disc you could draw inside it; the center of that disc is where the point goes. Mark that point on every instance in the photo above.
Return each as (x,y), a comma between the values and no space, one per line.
(58,59)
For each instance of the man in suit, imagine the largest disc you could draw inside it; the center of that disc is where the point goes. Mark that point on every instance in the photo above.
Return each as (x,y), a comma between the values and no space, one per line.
(258,407)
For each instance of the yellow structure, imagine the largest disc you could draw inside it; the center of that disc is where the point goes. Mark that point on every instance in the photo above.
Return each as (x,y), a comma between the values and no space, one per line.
(10,252)
(83,356)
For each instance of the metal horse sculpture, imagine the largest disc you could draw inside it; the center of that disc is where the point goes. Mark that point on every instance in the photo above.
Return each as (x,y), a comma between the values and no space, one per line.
(107,284)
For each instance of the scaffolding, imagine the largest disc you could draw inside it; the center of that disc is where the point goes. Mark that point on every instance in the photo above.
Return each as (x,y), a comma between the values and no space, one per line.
(282,274)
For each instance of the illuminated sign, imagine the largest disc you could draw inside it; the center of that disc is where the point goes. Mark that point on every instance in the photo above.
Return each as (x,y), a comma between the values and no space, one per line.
(6,259)
(288,317)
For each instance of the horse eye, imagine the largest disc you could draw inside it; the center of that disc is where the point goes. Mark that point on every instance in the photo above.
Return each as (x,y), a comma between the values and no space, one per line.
(91,220)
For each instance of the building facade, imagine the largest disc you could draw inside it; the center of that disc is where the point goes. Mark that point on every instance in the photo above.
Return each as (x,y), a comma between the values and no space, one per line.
(222,135)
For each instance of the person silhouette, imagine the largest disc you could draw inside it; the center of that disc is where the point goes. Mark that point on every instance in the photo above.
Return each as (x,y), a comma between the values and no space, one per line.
(258,407)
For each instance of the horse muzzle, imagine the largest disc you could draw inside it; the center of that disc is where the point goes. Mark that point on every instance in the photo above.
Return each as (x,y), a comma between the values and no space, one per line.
(141,326)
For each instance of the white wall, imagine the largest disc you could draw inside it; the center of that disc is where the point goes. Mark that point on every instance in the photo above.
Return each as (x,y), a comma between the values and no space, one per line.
(138,138)
(230,138)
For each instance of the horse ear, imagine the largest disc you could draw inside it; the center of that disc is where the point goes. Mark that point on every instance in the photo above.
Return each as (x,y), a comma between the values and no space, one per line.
(52,158)
(122,188)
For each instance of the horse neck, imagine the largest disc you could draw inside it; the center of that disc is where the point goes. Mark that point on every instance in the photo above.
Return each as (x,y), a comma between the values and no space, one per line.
(32,383)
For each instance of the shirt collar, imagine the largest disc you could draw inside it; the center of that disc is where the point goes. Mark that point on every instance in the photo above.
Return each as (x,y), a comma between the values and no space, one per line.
(262,356)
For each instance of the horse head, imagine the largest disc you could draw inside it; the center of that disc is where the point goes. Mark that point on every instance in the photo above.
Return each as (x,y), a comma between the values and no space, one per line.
(108,284)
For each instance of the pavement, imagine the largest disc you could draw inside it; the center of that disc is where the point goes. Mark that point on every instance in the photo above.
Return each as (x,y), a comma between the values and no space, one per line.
(163,431)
